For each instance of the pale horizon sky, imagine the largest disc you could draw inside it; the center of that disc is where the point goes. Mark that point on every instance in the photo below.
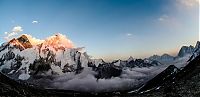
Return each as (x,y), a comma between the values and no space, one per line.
(108,29)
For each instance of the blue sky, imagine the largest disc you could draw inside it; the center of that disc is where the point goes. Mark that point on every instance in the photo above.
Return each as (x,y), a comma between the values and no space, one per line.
(108,29)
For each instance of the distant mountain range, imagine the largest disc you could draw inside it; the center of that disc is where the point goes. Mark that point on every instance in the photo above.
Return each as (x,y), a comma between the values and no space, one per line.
(175,82)
(28,63)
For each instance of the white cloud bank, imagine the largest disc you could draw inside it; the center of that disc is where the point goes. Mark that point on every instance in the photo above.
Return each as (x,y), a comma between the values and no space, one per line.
(15,31)
(86,82)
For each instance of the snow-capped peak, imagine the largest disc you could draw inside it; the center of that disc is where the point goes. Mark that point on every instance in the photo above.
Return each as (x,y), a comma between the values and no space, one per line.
(24,41)
(58,41)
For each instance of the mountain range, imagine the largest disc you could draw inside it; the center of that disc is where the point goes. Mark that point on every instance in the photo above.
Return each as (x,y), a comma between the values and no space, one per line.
(46,64)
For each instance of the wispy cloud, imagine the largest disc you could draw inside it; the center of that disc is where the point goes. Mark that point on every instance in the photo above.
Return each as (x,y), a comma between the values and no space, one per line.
(35,22)
(163,17)
(168,21)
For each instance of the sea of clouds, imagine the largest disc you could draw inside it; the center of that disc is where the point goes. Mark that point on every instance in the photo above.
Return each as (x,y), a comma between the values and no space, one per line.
(130,79)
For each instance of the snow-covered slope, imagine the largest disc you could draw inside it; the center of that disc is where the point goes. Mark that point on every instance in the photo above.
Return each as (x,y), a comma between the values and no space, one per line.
(20,57)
